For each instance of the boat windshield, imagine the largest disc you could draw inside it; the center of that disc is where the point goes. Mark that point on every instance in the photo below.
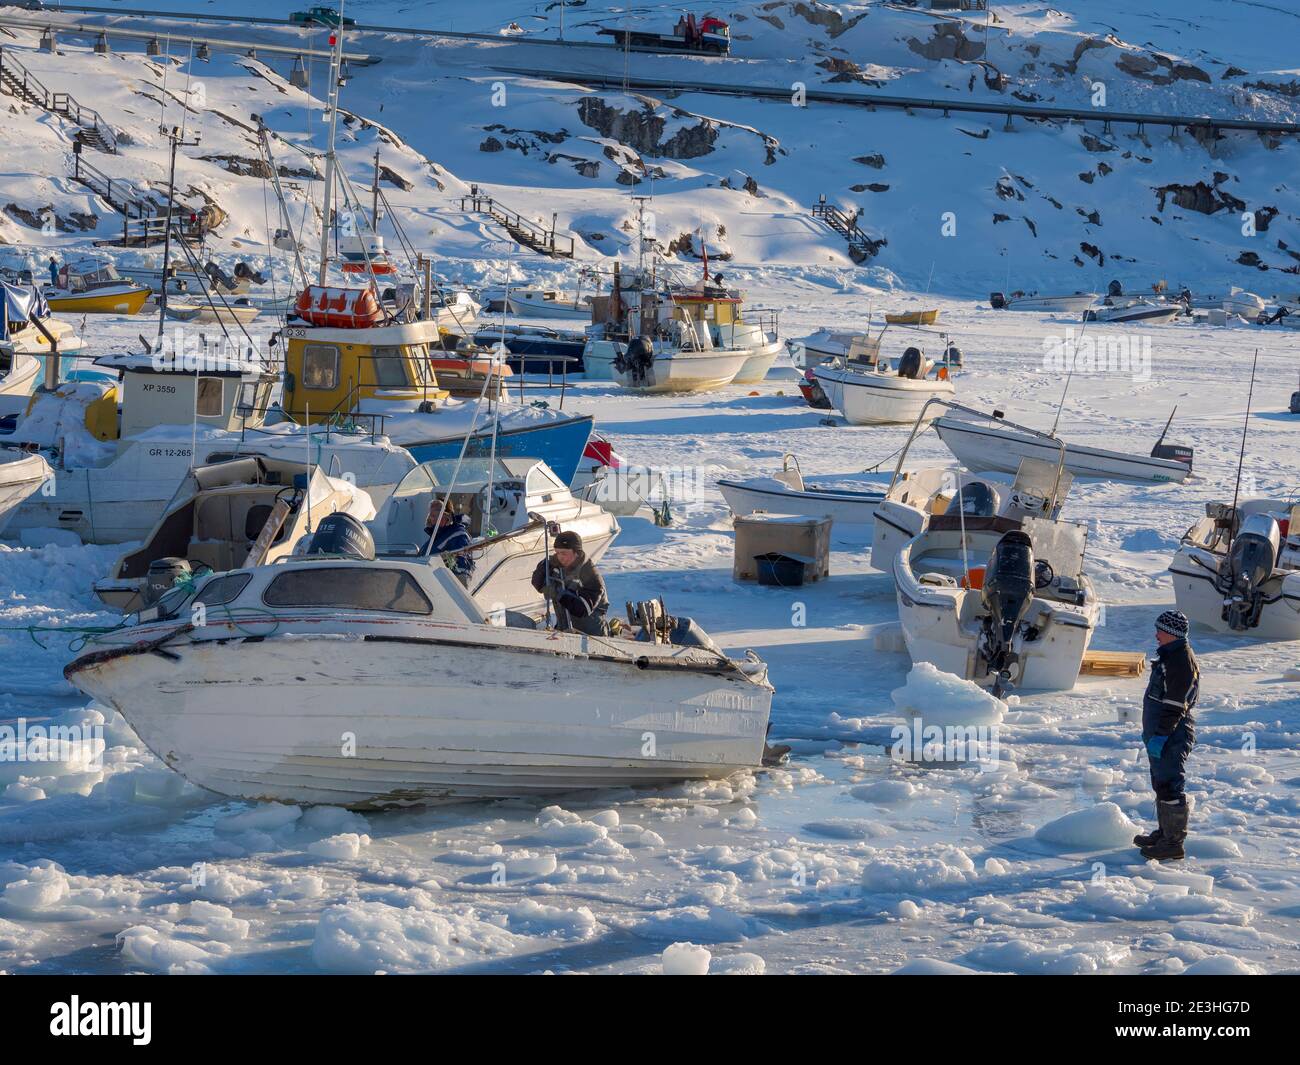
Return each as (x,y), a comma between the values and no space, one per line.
(439,475)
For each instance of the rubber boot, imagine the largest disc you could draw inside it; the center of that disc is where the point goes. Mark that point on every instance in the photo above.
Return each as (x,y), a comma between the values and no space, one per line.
(1149,839)
(1173,831)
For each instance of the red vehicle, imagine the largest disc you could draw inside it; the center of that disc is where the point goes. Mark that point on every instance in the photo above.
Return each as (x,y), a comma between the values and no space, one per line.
(709,34)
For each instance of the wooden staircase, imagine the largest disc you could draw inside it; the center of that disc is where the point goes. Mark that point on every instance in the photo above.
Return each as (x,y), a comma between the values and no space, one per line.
(529,234)
(862,246)
(16,80)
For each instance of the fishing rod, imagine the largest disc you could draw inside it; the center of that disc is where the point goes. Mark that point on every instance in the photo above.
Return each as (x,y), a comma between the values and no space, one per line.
(1241,457)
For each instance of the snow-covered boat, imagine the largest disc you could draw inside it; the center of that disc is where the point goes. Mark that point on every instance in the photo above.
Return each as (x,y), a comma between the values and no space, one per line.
(258,701)
(874,395)
(983,441)
(1149,312)
(1237,571)
(990,582)
(240,513)
(229,312)
(93,286)
(507,505)
(538,303)
(116,471)
(1067,303)
(826,343)
(21,474)
(786,492)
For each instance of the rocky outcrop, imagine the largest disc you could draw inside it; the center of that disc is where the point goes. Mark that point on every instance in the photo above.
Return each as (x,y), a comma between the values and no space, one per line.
(395,179)
(1201,197)
(644,128)
(1159,69)
(949,41)
(240,165)
(72,222)
(876,161)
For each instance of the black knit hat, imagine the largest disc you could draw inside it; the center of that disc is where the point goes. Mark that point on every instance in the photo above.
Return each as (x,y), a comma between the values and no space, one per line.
(569,540)
(1172,622)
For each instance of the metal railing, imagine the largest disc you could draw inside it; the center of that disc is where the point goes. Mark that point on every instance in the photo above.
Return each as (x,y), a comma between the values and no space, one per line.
(22,83)
(526,232)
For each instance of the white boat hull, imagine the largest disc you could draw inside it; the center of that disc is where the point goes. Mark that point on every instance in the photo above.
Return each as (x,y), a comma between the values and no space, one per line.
(21,475)
(598,360)
(766,495)
(869,398)
(436,713)
(757,366)
(1000,449)
(1074,303)
(1198,598)
(685,371)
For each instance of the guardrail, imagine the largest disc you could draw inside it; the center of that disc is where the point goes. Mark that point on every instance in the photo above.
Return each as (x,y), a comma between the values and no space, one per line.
(526,232)
(22,83)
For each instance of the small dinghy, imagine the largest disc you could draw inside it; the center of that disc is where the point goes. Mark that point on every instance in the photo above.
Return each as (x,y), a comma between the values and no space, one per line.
(870,394)
(338,677)
(231,515)
(913,317)
(990,582)
(786,492)
(983,441)
(1068,303)
(1238,570)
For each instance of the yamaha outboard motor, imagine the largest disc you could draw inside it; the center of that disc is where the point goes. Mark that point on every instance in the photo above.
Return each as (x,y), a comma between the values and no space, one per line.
(1114,289)
(636,359)
(912,363)
(1008,595)
(1249,564)
(997,301)
(952,354)
(977,500)
(1295,402)
(342,535)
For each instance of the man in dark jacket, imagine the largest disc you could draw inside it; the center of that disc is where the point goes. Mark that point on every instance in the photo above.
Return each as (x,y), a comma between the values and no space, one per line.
(573,584)
(1169,733)
(451,539)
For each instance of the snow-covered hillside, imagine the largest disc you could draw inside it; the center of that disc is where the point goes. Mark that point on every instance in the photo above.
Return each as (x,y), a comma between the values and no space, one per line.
(959,204)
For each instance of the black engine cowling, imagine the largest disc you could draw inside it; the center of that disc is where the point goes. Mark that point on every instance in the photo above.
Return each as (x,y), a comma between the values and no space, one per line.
(1249,564)
(636,359)
(912,364)
(1008,595)
(341,534)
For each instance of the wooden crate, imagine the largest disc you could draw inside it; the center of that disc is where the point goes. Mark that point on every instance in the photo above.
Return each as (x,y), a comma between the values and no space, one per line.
(1113,663)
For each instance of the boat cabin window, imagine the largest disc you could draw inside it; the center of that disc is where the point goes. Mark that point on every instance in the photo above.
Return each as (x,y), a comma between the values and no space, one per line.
(349,588)
(320,366)
(207,398)
(390,368)
(223,590)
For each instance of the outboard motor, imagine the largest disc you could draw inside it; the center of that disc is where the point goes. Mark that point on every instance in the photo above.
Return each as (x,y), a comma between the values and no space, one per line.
(1249,564)
(1008,595)
(912,364)
(161,577)
(342,535)
(636,359)
(1114,289)
(977,500)
(952,354)
(1295,402)
(997,301)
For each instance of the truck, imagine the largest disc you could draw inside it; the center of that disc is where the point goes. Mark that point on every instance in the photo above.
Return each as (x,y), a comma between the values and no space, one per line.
(321,16)
(710,35)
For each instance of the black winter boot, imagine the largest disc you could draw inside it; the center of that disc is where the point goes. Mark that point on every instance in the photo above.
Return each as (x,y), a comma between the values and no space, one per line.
(1149,839)
(1173,831)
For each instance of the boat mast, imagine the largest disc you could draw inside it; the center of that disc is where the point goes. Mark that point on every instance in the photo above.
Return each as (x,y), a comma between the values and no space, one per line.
(332,114)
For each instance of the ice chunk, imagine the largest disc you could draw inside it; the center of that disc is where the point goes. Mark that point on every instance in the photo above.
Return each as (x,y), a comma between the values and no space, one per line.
(1095,828)
(686,959)
(940,698)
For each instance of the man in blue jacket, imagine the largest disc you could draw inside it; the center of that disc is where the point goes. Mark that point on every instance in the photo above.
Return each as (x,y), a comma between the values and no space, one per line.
(451,539)
(1169,733)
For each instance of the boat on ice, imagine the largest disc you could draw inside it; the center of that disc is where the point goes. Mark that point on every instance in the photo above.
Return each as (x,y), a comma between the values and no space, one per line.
(443,704)
(681,363)
(21,474)
(990,582)
(349,359)
(117,469)
(535,349)
(93,286)
(511,507)
(232,515)
(1237,570)
(927,317)
(827,343)
(214,312)
(786,492)
(983,441)
(869,393)
(1065,303)
(537,303)
(1135,309)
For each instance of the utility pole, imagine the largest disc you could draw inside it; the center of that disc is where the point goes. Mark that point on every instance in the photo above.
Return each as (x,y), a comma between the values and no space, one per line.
(177,139)
(374,197)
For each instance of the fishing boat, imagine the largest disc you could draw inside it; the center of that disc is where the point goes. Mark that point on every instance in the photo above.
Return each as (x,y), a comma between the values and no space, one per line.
(1237,570)
(348,358)
(535,349)
(1069,303)
(28,335)
(983,441)
(990,584)
(786,492)
(232,515)
(510,507)
(250,701)
(212,313)
(928,317)
(21,474)
(122,444)
(537,303)
(465,372)
(93,286)
(869,393)
(676,364)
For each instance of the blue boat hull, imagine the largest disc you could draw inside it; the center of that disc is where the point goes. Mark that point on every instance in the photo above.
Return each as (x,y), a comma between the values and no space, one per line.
(559,444)
(536,354)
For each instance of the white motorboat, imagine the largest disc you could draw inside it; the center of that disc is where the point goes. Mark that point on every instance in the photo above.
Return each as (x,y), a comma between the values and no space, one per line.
(373,683)
(116,471)
(538,303)
(217,312)
(990,582)
(870,394)
(508,504)
(1137,309)
(21,474)
(235,514)
(786,492)
(753,336)
(1237,571)
(676,366)
(982,441)
(1066,303)
(827,343)
(1247,304)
